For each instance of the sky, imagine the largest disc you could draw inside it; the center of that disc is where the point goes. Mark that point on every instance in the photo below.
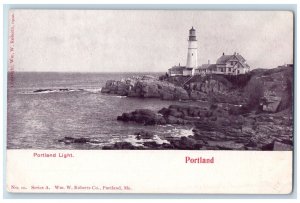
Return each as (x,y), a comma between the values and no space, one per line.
(146,40)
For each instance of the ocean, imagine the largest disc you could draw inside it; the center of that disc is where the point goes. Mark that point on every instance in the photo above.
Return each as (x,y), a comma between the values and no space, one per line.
(43,108)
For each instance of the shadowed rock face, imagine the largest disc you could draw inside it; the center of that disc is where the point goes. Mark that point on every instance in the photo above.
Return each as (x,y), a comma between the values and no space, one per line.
(270,90)
(249,112)
(217,128)
(144,116)
(145,88)
(214,129)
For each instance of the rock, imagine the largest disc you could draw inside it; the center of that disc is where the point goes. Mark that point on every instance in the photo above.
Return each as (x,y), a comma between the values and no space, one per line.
(107,147)
(167,96)
(181,94)
(122,145)
(194,112)
(116,87)
(197,95)
(167,146)
(144,135)
(161,121)
(270,103)
(173,120)
(145,116)
(186,143)
(42,90)
(105,90)
(164,111)
(214,118)
(209,84)
(204,126)
(152,145)
(145,87)
(70,140)
(81,140)
(125,117)
(226,145)
(251,145)
(282,147)
(247,130)
(175,113)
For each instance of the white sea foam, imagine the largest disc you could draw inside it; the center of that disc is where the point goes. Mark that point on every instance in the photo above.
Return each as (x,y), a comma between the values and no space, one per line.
(135,142)
(158,140)
(96,144)
(120,96)
(139,142)
(93,90)
(181,132)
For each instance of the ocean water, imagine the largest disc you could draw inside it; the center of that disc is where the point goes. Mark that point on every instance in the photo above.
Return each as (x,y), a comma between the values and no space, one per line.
(71,105)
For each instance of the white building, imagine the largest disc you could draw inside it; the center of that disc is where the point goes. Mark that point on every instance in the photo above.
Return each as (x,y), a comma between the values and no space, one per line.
(234,64)
(192,58)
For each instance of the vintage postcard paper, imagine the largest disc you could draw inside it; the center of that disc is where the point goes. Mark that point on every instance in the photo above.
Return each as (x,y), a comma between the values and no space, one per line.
(150,101)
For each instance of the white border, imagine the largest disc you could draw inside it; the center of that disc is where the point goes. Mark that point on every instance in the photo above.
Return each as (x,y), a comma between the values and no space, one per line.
(145,2)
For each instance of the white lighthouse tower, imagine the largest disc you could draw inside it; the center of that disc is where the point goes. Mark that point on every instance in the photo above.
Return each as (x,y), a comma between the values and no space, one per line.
(192,51)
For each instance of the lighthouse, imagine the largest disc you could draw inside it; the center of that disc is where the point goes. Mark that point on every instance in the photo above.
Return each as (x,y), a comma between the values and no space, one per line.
(192,50)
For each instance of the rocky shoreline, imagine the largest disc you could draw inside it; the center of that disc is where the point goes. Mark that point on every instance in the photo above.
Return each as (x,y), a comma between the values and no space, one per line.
(145,87)
(248,112)
(218,128)
(214,128)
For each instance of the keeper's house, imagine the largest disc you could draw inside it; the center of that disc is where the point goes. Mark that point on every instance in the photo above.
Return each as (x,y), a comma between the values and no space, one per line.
(234,64)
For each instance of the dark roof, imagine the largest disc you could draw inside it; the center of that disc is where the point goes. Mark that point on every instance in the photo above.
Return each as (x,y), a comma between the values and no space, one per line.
(240,58)
(245,65)
(177,68)
(189,68)
(204,66)
(224,58)
(211,66)
(207,66)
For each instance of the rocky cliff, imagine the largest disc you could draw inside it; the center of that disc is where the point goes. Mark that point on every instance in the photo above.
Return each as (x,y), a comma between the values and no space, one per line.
(268,90)
(145,87)
(246,112)
(218,128)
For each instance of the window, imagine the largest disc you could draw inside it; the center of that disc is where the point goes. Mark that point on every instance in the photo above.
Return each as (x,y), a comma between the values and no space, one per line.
(229,69)
(238,71)
(232,63)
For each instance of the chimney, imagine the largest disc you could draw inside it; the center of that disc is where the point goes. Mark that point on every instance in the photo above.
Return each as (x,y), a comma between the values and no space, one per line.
(234,53)
(223,53)
(208,61)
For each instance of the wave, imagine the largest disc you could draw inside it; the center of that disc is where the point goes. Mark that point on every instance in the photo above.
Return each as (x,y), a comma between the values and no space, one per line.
(56,90)
(93,90)
(62,90)
(180,132)
(140,142)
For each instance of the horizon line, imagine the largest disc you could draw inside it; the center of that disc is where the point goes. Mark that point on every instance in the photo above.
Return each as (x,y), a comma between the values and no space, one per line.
(9,71)
(85,72)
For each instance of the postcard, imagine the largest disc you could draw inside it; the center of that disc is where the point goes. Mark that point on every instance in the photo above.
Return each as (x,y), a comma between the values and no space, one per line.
(150,101)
